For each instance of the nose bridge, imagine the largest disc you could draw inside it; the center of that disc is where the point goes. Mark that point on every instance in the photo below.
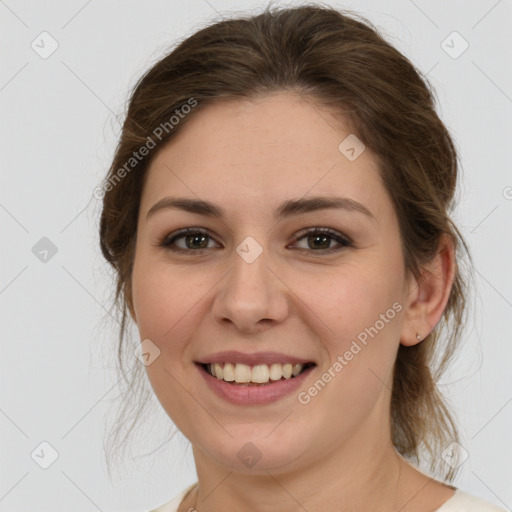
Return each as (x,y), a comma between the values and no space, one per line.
(250,270)
(250,293)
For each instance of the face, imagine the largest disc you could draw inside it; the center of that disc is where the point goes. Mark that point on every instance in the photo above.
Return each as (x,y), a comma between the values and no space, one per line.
(314,283)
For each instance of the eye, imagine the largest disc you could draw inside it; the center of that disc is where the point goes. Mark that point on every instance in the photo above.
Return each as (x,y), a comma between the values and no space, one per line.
(319,240)
(191,239)
(316,240)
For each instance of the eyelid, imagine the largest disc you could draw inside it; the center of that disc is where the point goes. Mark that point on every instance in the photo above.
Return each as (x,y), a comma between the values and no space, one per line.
(325,230)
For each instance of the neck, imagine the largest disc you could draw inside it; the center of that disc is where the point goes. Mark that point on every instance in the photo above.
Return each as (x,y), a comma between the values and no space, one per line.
(353,477)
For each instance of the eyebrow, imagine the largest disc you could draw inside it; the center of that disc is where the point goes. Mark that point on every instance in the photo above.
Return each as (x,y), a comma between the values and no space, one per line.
(286,209)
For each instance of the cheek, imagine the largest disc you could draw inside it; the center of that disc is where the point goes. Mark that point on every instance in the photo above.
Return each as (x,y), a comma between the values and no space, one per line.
(162,299)
(167,303)
(354,301)
(363,313)
(362,308)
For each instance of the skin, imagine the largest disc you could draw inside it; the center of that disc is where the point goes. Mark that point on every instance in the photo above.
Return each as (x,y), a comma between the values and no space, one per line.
(334,452)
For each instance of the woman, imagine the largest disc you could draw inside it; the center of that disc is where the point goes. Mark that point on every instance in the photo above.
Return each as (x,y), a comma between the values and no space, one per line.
(277,213)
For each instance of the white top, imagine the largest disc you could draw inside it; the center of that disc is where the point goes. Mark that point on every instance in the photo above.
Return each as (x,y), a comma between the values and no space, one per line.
(461,501)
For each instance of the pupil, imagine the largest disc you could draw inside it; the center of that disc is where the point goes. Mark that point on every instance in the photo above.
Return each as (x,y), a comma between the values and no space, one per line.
(324,241)
(194,239)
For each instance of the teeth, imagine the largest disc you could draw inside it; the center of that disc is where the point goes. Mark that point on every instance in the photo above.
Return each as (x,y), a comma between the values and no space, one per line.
(297,368)
(227,373)
(258,374)
(243,373)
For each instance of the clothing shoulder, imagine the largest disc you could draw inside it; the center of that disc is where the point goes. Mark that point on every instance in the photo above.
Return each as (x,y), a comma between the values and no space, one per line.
(463,501)
(172,506)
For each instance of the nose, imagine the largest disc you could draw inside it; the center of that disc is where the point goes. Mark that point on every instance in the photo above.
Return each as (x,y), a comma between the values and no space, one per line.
(251,297)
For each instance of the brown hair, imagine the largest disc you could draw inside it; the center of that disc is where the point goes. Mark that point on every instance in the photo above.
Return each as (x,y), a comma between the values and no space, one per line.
(340,61)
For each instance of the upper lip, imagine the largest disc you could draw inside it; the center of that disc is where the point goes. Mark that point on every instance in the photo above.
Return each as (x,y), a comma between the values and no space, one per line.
(232,356)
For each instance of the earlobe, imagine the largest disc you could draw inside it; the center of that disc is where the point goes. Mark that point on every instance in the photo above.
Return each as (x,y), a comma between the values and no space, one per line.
(429,294)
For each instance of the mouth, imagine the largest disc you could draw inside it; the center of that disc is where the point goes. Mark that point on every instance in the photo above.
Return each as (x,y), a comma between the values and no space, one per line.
(237,374)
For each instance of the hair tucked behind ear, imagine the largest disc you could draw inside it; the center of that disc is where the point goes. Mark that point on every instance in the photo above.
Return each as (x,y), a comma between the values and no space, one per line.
(339,60)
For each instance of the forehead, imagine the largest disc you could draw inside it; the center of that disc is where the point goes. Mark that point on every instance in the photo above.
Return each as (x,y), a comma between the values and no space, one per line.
(263,150)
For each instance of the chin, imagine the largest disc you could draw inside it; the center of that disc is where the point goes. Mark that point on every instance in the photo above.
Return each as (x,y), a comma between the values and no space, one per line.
(254,451)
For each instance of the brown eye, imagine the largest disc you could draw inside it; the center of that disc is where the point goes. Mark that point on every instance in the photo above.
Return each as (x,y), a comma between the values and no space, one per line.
(196,241)
(321,240)
(187,240)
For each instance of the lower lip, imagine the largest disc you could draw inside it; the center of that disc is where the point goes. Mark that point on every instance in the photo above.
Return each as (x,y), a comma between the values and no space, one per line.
(254,395)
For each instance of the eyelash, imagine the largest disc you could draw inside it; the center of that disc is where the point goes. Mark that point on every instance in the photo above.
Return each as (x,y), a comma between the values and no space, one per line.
(343,240)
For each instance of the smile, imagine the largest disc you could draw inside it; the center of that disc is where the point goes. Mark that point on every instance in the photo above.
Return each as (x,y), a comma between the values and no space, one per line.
(241,390)
(260,374)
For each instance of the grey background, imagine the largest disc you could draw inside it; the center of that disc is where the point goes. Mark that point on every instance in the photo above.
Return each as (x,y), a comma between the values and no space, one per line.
(60,118)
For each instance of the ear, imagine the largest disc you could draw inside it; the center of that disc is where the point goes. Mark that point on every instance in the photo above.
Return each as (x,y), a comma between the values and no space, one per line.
(428,295)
